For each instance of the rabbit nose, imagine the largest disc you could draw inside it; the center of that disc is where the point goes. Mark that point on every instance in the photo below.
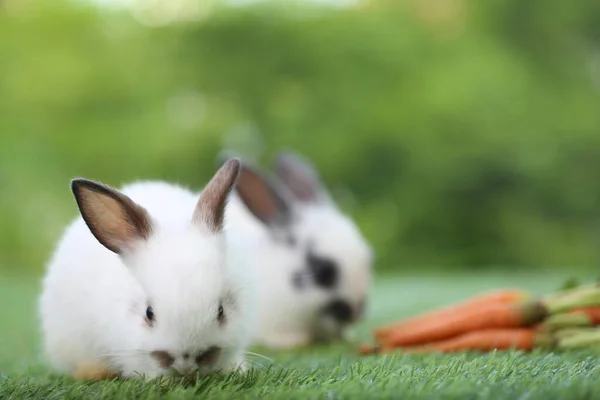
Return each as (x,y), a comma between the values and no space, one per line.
(340,310)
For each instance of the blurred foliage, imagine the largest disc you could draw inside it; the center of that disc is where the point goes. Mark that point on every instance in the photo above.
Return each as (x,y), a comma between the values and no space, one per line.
(457,133)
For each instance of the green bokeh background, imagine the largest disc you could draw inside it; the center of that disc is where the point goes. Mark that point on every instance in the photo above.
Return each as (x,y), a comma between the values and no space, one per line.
(458,134)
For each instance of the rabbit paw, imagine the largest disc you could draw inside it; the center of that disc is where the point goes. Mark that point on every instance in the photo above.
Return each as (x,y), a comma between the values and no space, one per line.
(93,372)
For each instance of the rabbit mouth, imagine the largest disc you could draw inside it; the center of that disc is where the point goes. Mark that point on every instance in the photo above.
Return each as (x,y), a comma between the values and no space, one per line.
(187,364)
(327,329)
(184,371)
(191,372)
(333,319)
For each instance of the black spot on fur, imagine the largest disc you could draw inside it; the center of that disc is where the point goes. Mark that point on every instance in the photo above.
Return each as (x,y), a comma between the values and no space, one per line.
(323,270)
(340,310)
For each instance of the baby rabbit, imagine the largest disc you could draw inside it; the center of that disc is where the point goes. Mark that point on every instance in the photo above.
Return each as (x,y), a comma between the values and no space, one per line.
(142,283)
(315,266)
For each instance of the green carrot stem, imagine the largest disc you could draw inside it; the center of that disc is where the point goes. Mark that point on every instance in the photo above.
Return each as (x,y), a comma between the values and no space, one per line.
(571,332)
(568,292)
(583,339)
(584,297)
(565,320)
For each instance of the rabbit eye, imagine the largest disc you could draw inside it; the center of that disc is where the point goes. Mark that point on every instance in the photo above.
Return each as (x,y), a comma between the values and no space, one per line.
(325,271)
(150,315)
(221,314)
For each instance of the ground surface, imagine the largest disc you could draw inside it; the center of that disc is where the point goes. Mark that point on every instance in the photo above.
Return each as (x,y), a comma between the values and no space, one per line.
(327,373)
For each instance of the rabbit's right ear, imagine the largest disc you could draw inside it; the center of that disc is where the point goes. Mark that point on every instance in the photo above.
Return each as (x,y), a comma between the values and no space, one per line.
(210,209)
(262,197)
(225,155)
(115,220)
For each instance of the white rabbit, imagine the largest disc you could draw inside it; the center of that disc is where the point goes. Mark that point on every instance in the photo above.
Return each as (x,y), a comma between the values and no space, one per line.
(143,284)
(315,266)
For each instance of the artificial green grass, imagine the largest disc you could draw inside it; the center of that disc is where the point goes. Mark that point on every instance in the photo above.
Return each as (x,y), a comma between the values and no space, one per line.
(328,372)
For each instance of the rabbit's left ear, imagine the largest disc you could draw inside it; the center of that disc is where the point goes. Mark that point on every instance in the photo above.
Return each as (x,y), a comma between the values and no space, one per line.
(116,221)
(300,177)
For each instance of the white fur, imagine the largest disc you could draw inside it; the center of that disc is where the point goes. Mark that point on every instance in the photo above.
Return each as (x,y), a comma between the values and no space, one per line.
(290,317)
(93,302)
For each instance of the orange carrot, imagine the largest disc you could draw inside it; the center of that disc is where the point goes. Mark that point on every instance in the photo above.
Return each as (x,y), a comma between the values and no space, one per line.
(493,315)
(487,340)
(366,349)
(501,296)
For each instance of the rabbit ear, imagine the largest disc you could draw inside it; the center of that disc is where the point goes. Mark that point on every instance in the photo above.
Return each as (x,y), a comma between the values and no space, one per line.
(262,197)
(298,175)
(115,220)
(210,209)
(225,155)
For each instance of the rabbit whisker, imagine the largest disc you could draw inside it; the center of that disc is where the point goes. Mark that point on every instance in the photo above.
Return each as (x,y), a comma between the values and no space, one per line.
(125,353)
(249,353)
(261,356)
(256,363)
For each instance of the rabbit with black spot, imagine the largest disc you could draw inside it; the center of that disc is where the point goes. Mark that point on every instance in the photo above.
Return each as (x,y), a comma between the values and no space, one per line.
(314,264)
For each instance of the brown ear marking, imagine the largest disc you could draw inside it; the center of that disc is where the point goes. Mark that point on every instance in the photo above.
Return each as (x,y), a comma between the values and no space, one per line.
(298,175)
(260,195)
(112,217)
(210,208)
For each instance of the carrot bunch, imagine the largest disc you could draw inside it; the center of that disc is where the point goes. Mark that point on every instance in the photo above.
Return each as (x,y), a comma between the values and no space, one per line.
(503,319)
